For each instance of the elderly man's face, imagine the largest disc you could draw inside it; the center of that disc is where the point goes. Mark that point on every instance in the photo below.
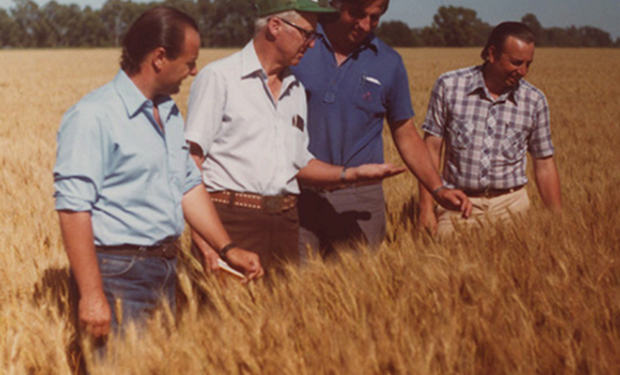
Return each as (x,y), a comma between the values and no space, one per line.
(296,37)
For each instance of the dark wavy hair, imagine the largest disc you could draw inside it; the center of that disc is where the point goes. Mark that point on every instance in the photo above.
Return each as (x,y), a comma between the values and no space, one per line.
(161,26)
(338,3)
(504,30)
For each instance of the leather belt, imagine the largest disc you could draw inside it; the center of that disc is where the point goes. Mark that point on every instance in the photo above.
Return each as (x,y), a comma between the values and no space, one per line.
(168,250)
(490,193)
(271,204)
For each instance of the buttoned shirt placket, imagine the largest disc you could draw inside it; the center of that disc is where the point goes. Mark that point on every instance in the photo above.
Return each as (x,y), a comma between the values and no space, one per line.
(277,122)
(162,131)
(490,137)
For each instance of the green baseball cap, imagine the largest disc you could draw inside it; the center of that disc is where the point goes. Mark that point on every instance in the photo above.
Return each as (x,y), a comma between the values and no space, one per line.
(267,7)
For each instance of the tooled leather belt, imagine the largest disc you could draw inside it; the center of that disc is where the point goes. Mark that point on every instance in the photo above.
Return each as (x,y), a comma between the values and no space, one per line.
(271,204)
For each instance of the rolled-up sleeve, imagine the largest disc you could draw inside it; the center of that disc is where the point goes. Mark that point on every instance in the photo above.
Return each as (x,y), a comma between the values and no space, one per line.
(78,173)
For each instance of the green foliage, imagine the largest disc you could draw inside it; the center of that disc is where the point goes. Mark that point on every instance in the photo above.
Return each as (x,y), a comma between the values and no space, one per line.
(8,29)
(585,36)
(230,23)
(398,34)
(460,27)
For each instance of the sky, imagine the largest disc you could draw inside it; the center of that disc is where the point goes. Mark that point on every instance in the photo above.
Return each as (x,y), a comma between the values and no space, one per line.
(604,14)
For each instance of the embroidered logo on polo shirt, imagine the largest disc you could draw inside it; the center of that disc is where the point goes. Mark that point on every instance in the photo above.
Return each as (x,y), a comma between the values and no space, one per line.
(298,122)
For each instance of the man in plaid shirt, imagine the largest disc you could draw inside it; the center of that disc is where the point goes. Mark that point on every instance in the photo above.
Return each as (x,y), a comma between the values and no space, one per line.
(488,116)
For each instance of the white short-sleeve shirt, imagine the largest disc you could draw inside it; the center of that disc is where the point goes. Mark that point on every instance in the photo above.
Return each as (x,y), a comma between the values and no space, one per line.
(252,143)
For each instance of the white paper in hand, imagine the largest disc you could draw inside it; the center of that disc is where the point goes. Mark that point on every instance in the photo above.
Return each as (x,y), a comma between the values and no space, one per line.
(226,267)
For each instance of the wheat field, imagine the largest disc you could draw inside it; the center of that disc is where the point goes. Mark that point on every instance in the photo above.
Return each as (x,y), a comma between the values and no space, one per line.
(539,297)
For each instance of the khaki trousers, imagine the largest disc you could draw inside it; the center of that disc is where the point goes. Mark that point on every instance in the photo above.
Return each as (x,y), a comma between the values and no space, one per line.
(485,211)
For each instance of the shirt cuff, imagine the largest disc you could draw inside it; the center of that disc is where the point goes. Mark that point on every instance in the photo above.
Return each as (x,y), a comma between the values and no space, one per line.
(64,202)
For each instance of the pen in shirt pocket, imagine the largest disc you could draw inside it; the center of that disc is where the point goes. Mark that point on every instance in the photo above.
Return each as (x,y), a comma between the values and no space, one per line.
(371,79)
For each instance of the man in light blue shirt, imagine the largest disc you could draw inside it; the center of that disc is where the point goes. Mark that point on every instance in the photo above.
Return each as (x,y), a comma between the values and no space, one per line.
(124,179)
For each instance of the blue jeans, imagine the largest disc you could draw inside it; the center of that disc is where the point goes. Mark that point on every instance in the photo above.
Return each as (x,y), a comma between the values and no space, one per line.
(139,284)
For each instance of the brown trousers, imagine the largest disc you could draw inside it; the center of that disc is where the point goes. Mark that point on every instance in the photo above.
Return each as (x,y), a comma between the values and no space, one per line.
(274,237)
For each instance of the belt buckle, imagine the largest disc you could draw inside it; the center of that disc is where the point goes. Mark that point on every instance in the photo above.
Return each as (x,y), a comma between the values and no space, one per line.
(272,204)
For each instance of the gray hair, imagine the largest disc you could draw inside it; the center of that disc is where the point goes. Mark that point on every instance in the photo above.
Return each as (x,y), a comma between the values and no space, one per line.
(289,15)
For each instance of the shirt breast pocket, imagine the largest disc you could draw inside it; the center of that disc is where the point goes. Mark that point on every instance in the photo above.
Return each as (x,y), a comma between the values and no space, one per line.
(367,95)
(461,135)
(294,142)
(512,145)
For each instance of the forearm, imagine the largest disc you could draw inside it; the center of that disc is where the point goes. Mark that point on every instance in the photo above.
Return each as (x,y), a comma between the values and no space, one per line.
(203,218)
(319,173)
(548,182)
(414,152)
(77,234)
(427,202)
(433,145)
(199,241)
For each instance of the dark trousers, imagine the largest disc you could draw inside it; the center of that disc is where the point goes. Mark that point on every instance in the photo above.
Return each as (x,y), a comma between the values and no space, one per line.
(348,216)
(274,237)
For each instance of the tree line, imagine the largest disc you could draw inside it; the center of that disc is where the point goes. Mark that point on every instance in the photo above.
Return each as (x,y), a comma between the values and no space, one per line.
(230,23)
(461,27)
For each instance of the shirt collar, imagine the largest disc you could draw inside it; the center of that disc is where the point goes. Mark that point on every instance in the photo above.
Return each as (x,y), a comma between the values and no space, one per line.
(250,65)
(134,100)
(477,84)
(371,41)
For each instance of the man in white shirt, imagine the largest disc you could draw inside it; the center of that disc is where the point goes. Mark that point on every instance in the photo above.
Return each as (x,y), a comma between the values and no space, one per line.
(247,131)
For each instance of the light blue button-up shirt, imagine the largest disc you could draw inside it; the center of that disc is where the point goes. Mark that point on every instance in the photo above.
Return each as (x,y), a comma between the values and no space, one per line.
(115,161)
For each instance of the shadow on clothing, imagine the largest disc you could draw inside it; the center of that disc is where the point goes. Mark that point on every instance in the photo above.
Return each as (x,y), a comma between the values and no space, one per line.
(326,229)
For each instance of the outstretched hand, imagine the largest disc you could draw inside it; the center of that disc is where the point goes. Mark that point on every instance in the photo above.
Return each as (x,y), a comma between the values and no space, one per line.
(372,172)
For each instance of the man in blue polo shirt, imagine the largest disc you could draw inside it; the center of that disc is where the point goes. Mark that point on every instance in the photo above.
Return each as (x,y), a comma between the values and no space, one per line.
(354,81)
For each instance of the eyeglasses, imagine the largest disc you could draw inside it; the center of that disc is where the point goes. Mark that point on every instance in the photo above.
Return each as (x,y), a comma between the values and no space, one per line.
(309,35)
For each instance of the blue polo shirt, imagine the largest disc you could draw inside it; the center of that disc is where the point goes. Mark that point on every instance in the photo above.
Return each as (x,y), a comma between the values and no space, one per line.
(115,161)
(348,103)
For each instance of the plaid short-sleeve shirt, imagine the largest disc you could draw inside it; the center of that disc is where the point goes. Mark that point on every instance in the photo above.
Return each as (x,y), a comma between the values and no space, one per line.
(486,139)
